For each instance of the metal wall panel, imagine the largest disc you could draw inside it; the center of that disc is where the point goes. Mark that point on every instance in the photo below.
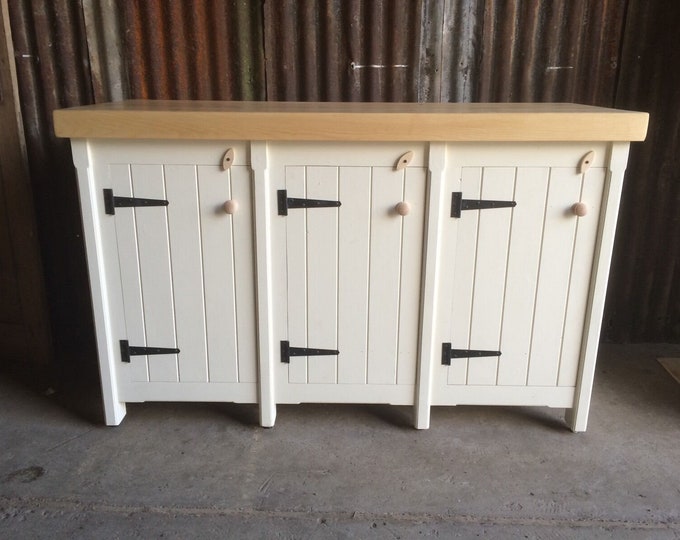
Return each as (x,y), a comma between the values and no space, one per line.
(644,289)
(210,49)
(53,72)
(550,51)
(344,50)
(73,52)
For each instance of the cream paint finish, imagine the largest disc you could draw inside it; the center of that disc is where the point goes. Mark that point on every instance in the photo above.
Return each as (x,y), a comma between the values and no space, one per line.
(385,289)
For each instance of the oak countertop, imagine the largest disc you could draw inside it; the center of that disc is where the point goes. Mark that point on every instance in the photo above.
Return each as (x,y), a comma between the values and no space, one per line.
(298,121)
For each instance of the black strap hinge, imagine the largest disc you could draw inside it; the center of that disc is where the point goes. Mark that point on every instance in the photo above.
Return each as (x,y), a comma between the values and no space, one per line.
(287,351)
(448,353)
(112,202)
(126,351)
(458,204)
(286,202)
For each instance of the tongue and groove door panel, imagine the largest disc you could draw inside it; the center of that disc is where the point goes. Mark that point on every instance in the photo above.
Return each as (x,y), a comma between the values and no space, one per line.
(352,281)
(515,280)
(177,268)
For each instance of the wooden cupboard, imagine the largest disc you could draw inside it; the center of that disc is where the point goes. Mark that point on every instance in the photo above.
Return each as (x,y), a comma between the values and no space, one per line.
(373,253)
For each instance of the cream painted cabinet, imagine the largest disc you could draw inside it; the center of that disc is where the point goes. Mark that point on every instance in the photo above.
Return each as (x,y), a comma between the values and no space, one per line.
(178,269)
(516,273)
(361,253)
(347,270)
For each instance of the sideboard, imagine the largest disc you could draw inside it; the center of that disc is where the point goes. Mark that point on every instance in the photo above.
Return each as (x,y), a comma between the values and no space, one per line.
(409,254)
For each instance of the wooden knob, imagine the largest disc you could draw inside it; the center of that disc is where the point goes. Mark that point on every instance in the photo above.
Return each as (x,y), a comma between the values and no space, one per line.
(230,207)
(579,209)
(403,208)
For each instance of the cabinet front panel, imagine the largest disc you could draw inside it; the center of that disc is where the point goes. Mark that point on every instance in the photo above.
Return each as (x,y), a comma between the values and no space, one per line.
(177,267)
(515,280)
(352,280)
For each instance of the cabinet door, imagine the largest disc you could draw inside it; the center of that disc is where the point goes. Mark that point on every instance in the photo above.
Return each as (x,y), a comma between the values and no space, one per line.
(181,273)
(349,275)
(515,279)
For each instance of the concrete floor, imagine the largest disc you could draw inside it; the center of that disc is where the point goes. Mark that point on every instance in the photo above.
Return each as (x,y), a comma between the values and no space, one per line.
(207,470)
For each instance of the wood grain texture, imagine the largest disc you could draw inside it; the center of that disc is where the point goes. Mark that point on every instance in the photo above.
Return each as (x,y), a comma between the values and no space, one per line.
(138,119)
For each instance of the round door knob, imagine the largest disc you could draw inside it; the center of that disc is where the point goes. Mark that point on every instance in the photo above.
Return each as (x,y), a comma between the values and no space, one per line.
(230,206)
(579,209)
(403,208)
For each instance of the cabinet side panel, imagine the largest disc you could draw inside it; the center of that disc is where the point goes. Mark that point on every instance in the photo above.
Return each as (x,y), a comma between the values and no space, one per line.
(187,275)
(490,266)
(520,289)
(551,296)
(322,273)
(354,235)
(463,261)
(584,247)
(296,264)
(128,261)
(244,270)
(218,268)
(156,274)
(411,270)
(386,231)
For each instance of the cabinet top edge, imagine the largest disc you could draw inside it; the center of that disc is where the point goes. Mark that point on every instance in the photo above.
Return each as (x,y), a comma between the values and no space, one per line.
(306,121)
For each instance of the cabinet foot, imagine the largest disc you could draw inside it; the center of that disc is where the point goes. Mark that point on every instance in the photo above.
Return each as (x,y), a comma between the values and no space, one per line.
(267,416)
(422,417)
(114,412)
(576,421)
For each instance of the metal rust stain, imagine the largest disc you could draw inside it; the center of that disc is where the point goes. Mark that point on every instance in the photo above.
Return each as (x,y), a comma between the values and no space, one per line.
(193,50)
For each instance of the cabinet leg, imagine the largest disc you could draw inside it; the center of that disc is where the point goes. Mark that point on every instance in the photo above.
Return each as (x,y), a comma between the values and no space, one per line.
(267,415)
(577,420)
(114,412)
(422,416)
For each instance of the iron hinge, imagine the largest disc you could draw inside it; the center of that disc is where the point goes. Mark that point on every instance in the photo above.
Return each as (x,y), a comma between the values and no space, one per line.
(458,204)
(448,353)
(112,202)
(126,351)
(287,351)
(286,202)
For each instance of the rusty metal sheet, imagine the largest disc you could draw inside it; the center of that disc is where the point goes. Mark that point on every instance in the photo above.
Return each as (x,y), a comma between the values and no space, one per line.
(74,52)
(210,49)
(644,288)
(344,50)
(550,51)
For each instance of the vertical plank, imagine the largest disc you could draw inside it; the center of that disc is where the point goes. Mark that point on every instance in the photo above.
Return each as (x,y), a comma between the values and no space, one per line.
(218,266)
(244,274)
(411,270)
(128,260)
(584,246)
(187,271)
(385,255)
(322,273)
(463,274)
(489,287)
(553,281)
(531,189)
(154,262)
(353,268)
(296,241)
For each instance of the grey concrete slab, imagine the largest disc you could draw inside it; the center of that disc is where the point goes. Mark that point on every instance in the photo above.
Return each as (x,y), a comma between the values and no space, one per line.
(208,470)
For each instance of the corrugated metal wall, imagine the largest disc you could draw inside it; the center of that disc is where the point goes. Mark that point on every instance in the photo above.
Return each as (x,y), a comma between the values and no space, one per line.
(588,51)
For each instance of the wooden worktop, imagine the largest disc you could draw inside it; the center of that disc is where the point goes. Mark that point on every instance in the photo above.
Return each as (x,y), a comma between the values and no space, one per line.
(296,121)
